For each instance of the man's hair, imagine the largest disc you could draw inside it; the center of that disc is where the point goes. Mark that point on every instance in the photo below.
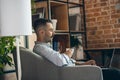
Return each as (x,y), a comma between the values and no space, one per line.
(40,23)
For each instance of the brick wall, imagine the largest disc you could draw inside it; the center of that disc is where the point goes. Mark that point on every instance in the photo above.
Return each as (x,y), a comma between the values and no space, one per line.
(103,23)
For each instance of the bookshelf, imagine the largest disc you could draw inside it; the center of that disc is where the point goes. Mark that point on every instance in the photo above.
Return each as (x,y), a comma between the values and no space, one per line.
(70,15)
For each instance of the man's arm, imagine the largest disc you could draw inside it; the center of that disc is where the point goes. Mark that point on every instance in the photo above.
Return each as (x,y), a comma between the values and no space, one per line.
(53,56)
(90,62)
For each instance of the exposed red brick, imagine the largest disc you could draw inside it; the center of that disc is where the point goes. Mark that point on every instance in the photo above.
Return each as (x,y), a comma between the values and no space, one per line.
(118,35)
(103,0)
(91,46)
(108,31)
(106,27)
(91,28)
(118,11)
(107,18)
(115,16)
(90,24)
(105,8)
(103,4)
(98,23)
(119,20)
(96,41)
(112,1)
(90,1)
(91,20)
(89,6)
(88,11)
(113,12)
(117,40)
(101,45)
(103,26)
(94,37)
(114,45)
(101,41)
(92,42)
(117,26)
(107,36)
(99,32)
(96,10)
(89,15)
(109,40)
(105,22)
(97,14)
(91,32)
(97,5)
(87,2)
(100,18)
(115,30)
(112,7)
(104,13)
(113,21)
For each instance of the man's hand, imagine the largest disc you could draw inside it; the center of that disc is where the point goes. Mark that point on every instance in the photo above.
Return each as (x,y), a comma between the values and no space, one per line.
(90,62)
(69,52)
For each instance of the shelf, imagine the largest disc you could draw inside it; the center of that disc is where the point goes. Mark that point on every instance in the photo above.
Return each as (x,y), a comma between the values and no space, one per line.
(62,34)
(69,2)
(40,4)
(76,32)
(61,31)
(56,3)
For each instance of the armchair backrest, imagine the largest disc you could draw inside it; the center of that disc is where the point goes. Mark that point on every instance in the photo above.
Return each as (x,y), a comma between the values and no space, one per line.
(35,67)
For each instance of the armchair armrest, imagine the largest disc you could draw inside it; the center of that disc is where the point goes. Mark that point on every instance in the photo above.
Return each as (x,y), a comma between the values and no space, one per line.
(81,72)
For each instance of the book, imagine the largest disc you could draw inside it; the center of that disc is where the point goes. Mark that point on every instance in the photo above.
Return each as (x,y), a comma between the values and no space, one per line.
(56,45)
(75,22)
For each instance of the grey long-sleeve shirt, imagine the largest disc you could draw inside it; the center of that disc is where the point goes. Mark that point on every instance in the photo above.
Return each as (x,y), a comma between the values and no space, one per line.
(55,57)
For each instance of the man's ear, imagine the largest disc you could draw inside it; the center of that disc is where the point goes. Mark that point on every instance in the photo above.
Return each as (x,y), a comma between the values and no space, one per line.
(41,31)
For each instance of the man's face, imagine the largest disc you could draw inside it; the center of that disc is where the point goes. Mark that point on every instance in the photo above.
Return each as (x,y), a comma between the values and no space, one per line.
(49,33)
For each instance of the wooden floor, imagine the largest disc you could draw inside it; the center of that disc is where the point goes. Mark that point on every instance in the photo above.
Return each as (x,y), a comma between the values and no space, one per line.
(8,76)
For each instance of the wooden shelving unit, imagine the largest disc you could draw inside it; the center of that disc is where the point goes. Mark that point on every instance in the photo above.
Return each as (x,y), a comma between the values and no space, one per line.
(70,15)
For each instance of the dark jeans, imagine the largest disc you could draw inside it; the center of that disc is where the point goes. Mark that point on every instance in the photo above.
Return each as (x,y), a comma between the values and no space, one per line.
(111,74)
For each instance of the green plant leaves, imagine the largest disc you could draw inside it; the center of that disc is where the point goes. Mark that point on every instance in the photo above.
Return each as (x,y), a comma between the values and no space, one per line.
(6,46)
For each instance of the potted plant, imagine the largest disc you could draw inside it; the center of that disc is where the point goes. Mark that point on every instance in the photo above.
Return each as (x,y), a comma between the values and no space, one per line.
(6,46)
(76,44)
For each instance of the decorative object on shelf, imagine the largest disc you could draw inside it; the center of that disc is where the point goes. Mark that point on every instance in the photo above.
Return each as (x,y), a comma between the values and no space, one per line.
(6,46)
(75,22)
(15,20)
(76,43)
(54,21)
(41,12)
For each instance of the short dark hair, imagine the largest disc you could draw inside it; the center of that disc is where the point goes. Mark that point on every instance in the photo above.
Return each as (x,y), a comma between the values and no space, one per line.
(40,23)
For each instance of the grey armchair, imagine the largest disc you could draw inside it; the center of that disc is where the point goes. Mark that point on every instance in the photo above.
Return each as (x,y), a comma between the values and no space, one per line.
(35,67)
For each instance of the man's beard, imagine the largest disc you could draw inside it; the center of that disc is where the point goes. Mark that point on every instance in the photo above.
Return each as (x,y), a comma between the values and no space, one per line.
(48,39)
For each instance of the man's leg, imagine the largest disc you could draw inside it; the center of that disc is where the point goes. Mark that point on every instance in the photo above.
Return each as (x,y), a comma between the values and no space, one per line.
(111,74)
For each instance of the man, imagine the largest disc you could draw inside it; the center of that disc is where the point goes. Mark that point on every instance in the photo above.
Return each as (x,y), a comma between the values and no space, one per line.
(44,32)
